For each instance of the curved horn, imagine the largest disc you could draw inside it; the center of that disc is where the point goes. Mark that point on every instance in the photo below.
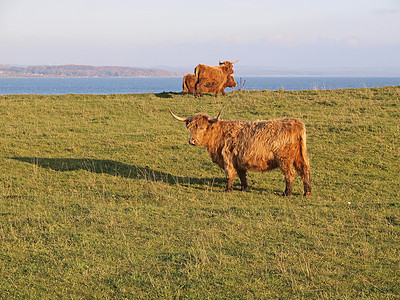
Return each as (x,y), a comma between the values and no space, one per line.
(235,62)
(176,117)
(219,115)
(213,120)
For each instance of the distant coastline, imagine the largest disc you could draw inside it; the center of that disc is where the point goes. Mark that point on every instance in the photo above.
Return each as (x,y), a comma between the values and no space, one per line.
(82,71)
(87,71)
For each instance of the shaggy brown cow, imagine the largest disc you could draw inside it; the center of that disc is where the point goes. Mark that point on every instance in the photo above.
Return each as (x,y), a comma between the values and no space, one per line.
(189,83)
(241,146)
(214,77)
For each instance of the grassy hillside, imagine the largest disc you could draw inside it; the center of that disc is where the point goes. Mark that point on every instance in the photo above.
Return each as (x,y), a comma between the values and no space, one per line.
(102,197)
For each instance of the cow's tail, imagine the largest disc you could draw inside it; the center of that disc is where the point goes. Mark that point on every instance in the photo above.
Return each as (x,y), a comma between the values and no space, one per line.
(303,164)
(303,145)
(196,74)
(196,80)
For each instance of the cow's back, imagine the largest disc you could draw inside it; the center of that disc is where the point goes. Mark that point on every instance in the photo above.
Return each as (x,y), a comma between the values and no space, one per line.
(259,144)
(207,73)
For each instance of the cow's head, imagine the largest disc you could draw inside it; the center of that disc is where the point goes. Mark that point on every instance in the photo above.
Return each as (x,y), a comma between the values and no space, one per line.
(231,82)
(198,125)
(227,66)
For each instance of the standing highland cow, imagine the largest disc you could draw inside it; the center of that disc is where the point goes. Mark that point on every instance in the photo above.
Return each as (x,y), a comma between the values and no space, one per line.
(214,77)
(241,146)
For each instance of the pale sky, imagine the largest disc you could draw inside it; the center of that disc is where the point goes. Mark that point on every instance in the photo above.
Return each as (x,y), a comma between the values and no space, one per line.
(275,33)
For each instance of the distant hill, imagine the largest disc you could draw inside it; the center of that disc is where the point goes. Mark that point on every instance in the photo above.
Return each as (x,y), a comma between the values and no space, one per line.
(82,71)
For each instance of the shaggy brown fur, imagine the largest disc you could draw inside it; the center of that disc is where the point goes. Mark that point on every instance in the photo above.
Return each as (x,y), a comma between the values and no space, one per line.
(240,146)
(189,83)
(214,77)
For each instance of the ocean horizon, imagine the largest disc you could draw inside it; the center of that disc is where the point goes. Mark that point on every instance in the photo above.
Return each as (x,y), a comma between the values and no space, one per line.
(61,86)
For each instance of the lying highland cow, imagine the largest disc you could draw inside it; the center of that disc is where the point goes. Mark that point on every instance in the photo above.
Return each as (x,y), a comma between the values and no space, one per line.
(240,146)
(189,83)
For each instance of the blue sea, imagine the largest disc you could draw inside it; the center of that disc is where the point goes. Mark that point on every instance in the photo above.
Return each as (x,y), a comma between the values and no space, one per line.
(60,86)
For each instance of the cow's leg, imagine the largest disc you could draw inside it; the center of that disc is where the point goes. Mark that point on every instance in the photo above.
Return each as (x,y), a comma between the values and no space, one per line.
(243,180)
(200,91)
(197,90)
(303,170)
(230,173)
(289,172)
(220,89)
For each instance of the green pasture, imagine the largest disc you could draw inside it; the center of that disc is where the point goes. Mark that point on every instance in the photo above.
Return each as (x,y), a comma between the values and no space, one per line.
(102,197)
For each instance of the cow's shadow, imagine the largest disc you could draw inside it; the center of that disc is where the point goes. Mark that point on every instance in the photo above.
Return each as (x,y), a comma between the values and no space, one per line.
(168,94)
(115,168)
(119,169)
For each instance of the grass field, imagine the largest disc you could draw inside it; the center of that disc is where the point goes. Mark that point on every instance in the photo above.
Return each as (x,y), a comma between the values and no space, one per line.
(102,197)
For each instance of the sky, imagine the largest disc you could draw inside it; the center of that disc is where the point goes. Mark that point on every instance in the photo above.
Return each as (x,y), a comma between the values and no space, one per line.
(180,33)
